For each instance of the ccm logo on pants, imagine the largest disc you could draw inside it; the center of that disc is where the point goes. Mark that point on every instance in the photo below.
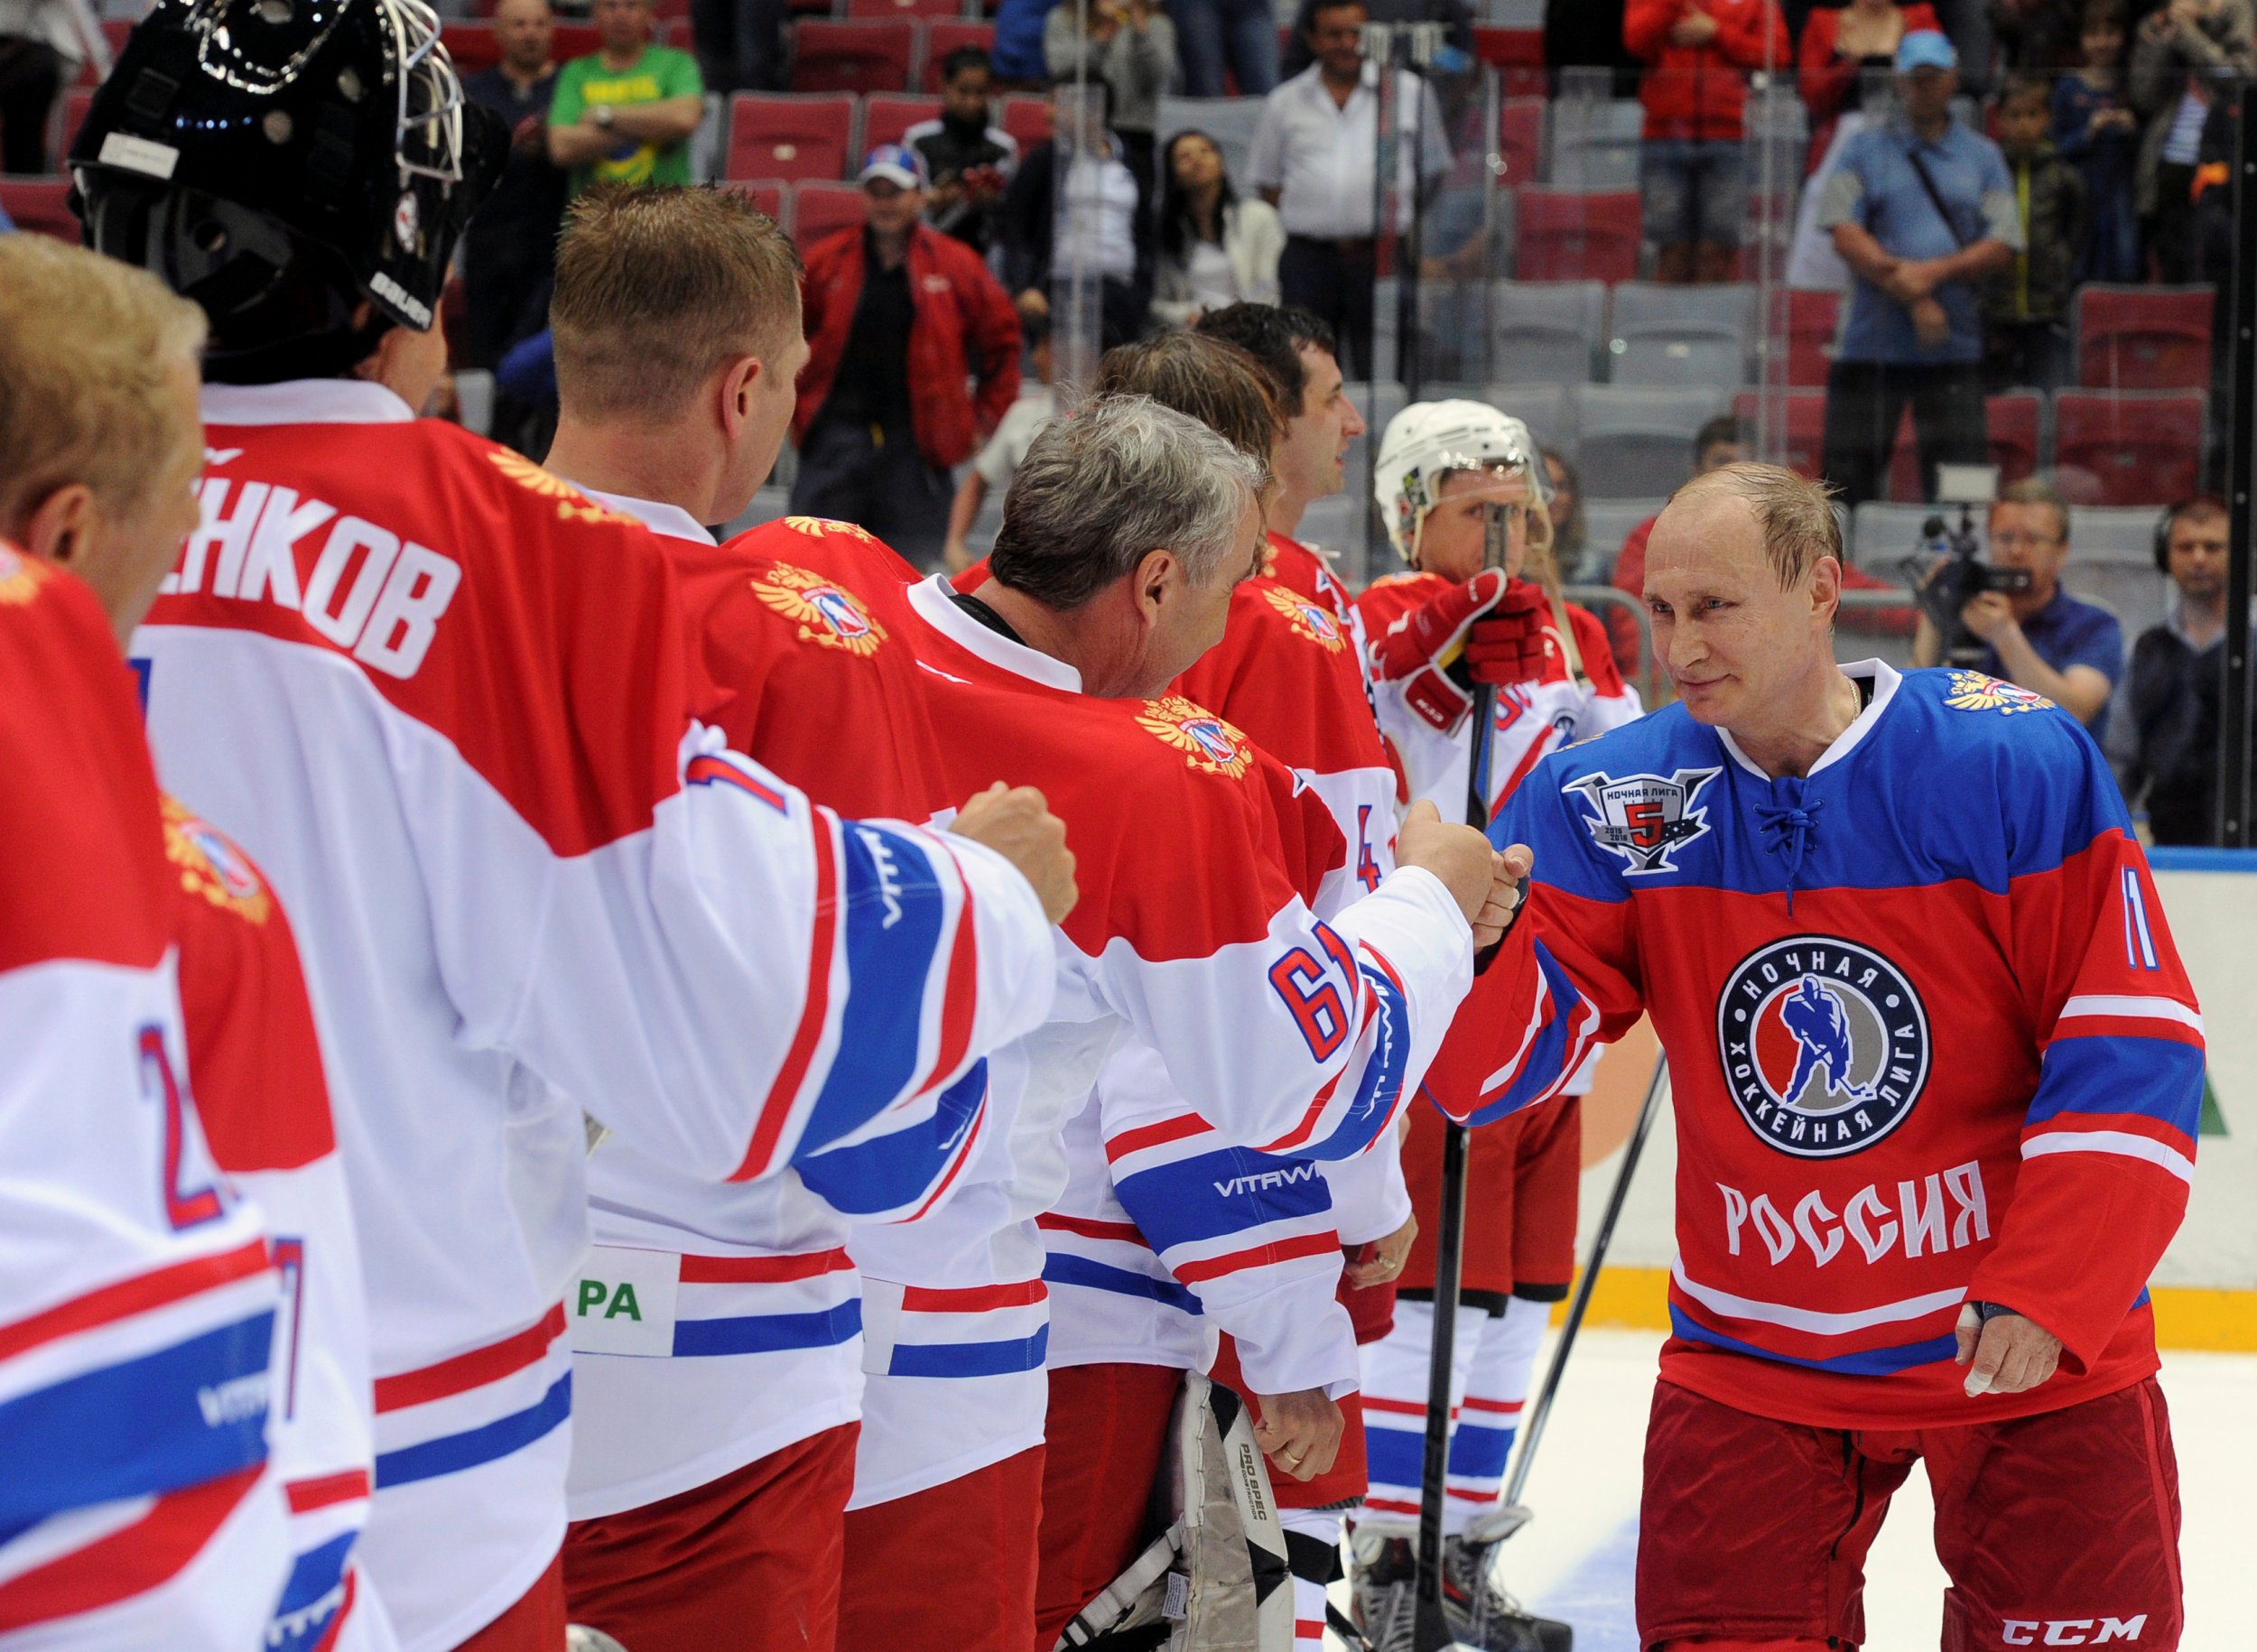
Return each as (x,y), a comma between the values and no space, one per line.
(2070,1631)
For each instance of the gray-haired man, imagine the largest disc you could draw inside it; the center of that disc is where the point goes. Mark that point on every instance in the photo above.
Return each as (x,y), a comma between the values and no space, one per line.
(1123,533)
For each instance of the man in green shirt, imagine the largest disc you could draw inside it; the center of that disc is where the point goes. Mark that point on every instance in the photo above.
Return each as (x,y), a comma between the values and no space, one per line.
(624,113)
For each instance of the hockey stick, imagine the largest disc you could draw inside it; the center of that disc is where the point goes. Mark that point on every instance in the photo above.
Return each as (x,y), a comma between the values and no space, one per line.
(1532,1435)
(1431,1629)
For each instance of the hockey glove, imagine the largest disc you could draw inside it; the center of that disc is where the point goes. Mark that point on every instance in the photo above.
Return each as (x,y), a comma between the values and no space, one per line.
(1486,630)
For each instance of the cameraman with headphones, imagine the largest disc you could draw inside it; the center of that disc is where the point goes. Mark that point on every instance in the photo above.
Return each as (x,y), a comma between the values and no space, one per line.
(2042,639)
(2177,678)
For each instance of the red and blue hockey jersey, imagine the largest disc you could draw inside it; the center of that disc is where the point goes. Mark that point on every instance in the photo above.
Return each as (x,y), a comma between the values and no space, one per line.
(1929,1039)
(138,1301)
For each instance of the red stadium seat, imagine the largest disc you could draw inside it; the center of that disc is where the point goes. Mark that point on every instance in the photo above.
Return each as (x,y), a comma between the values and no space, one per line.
(862,10)
(780,134)
(1804,413)
(1026,117)
(1520,141)
(1808,318)
(1565,234)
(1519,57)
(2017,426)
(472,44)
(886,116)
(944,35)
(770,195)
(821,207)
(38,204)
(871,56)
(2142,338)
(2133,448)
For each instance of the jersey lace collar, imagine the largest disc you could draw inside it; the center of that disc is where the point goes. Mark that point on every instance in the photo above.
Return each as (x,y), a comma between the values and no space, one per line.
(1884,678)
(304,401)
(931,599)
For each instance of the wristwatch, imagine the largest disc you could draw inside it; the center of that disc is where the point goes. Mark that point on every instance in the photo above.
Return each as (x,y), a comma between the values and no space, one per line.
(602,113)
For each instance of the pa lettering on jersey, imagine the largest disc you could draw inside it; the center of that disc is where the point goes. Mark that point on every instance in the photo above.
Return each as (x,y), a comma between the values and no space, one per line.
(366,591)
(2070,1631)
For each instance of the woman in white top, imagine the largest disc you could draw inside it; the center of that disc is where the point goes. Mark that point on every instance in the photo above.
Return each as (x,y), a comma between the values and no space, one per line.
(1215,247)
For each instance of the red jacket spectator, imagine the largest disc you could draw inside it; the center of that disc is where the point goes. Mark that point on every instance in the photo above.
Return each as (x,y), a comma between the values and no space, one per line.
(1828,79)
(965,328)
(1696,92)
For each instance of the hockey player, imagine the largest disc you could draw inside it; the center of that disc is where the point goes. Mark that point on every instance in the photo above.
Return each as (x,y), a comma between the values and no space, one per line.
(447,700)
(1931,1240)
(1177,1240)
(138,1301)
(1437,632)
(117,520)
(713,1454)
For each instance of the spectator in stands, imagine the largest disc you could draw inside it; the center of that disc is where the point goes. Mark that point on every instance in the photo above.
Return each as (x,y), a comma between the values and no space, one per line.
(1298,357)
(1922,210)
(2026,305)
(1130,45)
(1018,43)
(1450,62)
(1313,158)
(1841,48)
(1212,36)
(625,112)
(2042,639)
(900,319)
(1579,561)
(1216,248)
(740,43)
(43,45)
(1108,221)
(2180,60)
(2095,130)
(969,159)
(2175,687)
(1690,171)
(999,458)
(509,251)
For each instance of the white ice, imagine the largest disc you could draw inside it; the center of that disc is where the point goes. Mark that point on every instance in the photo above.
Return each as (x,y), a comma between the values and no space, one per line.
(1575,1561)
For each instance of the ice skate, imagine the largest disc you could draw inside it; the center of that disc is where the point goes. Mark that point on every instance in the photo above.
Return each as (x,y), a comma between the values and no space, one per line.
(1482,1615)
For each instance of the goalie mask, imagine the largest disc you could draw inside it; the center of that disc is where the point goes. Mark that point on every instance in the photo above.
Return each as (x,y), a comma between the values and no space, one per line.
(278,160)
(1427,440)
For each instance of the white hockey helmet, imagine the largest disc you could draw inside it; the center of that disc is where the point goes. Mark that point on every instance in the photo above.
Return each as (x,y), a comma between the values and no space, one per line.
(1427,440)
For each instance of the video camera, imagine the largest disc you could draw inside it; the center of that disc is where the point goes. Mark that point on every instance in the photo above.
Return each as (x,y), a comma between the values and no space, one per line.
(1948,572)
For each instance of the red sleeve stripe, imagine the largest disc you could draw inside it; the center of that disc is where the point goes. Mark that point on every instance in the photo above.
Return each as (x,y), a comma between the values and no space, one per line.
(1302,1132)
(139,1294)
(963,1157)
(709,770)
(1260,1256)
(765,1270)
(777,1109)
(1090,1228)
(130,1560)
(1145,1136)
(473,1370)
(307,1494)
(972,1298)
(959,1000)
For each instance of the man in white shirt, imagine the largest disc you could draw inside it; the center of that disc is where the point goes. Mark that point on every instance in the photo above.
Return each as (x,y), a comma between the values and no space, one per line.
(1315,159)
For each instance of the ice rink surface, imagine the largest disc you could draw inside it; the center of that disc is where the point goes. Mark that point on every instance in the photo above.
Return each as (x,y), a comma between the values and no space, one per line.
(1575,1561)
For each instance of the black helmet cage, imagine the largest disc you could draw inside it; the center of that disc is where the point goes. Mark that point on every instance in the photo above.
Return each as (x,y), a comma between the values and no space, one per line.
(278,160)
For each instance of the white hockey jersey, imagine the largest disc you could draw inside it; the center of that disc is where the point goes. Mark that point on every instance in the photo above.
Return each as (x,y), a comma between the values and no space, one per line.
(751,1340)
(137,1303)
(449,704)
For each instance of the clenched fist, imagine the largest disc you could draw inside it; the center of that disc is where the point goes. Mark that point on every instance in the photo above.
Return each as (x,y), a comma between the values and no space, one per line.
(1486,885)
(1017,823)
(1299,1431)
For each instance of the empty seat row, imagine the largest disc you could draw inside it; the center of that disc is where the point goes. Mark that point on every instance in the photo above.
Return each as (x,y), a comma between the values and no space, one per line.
(823,134)
(809,208)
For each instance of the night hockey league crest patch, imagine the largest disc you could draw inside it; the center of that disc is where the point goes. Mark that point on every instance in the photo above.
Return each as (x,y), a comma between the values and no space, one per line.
(1307,619)
(1825,1043)
(825,614)
(1207,742)
(1644,818)
(1970,691)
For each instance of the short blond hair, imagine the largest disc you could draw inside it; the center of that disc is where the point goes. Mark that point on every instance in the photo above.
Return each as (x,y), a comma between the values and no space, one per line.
(657,287)
(88,346)
(1794,514)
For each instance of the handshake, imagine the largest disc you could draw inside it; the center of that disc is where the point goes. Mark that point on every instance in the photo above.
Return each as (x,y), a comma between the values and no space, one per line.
(1495,626)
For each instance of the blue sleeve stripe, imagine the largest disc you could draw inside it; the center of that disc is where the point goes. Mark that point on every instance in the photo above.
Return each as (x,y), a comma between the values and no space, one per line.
(1381,1086)
(179,1417)
(1001,1359)
(893,909)
(768,1333)
(451,1453)
(1865,1362)
(1548,1054)
(895,1171)
(1062,1267)
(1220,1194)
(2154,1078)
(312,1597)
